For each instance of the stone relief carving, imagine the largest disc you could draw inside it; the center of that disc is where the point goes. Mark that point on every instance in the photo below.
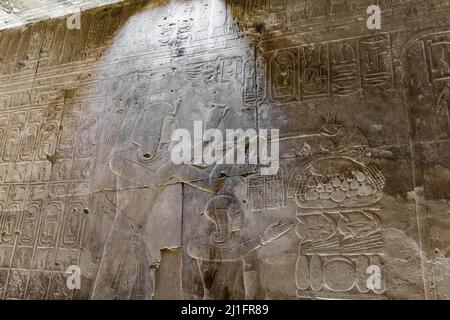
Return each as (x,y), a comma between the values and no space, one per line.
(219,256)
(86,119)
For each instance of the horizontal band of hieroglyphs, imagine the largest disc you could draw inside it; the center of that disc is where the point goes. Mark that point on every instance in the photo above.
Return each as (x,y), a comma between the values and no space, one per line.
(335,68)
(42,225)
(37,134)
(54,44)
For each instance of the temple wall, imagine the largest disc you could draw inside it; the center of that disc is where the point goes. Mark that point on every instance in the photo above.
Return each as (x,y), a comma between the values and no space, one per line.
(86,179)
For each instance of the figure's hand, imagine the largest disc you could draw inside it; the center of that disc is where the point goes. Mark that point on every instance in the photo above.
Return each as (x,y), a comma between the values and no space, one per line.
(275,231)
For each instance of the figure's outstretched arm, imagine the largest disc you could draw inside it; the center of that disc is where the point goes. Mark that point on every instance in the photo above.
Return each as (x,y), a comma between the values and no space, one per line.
(192,176)
(209,252)
(273,232)
(125,164)
(196,177)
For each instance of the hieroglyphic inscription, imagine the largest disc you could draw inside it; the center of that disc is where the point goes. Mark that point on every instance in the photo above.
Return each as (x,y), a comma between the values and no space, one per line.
(47,152)
(338,226)
(41,226)
(333,69)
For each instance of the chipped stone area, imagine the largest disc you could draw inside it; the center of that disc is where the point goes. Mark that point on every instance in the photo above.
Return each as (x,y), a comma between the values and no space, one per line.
(359,208)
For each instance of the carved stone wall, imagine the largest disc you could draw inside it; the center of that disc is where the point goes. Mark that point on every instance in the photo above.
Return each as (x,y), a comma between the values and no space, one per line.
(86,118)
(17,13)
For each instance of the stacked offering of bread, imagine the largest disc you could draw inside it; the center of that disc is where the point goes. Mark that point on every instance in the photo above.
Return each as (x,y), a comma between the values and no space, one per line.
(337,182)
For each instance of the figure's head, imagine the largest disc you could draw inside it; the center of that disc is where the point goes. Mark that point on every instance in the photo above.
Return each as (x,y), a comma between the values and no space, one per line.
(225,213)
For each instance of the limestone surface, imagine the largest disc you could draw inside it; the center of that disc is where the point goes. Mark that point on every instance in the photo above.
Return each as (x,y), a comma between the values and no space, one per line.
(360,205)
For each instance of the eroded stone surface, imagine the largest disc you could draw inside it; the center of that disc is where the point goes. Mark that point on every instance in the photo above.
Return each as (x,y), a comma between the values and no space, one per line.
(86,118)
